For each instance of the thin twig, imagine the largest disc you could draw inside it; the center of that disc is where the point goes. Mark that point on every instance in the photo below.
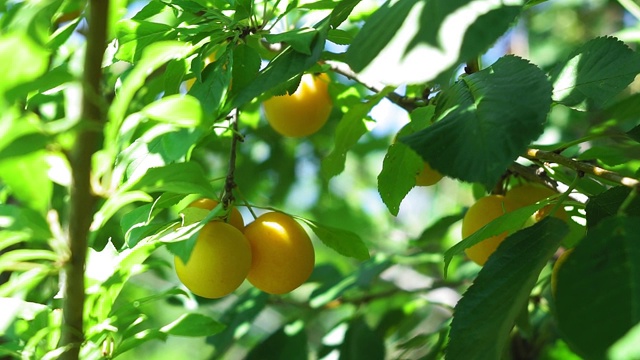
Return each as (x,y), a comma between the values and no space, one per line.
(409,104)
(246,203)
(82,200)
(588,169)
(532,174)
(230,184)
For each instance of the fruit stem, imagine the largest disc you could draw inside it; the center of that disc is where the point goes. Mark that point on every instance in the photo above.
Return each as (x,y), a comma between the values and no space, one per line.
(82,199)
(592,170)
(246,203)
(230,184)
(625,204)
(565,195)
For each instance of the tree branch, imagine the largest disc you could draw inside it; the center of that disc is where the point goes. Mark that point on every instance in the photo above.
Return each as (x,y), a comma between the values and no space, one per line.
(230,183)
(82,200)
(408,104)
(531,174)
(588,169)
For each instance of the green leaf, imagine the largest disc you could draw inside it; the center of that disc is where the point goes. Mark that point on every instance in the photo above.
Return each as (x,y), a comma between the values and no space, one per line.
(153,57)
(10,238)
(299,39)
(115,203)
(36,89)
(398,176)
(134,36)
(287,65)
(595,73)
(608,155)
(26,281)
(179,110)
(179,178)
(393,43)
(485,315)
(27,177)
(158,146)
(344,242)
(350,128)
(244,9)
(138,339)
(16,50)
(486,120)
(214,88)
(150,10)
(135,224)
(288,342)
(128,264)
(246,66)
(420,118)
(634,133)
(436,232)
(361,342)
(239,318)
(625,110)
(14,308)
(21,135)
(341,12)
(63,33)
(401,164)
(602,268)
(24,220)
(334,284)
(173,76)
(193,325)
(13,258)
(176,145)
(339,37)
(608,203)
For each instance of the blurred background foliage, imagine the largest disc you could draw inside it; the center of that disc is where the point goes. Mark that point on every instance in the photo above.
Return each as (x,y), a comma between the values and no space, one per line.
(396,305)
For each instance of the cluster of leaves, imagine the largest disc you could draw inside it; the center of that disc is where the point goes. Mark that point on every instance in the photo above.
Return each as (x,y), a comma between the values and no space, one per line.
(163,146)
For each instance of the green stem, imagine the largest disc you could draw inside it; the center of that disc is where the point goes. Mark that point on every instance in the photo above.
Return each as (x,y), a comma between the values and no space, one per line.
(625,204)
(565,195)
(230,183)
(82,200)
(246,203)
